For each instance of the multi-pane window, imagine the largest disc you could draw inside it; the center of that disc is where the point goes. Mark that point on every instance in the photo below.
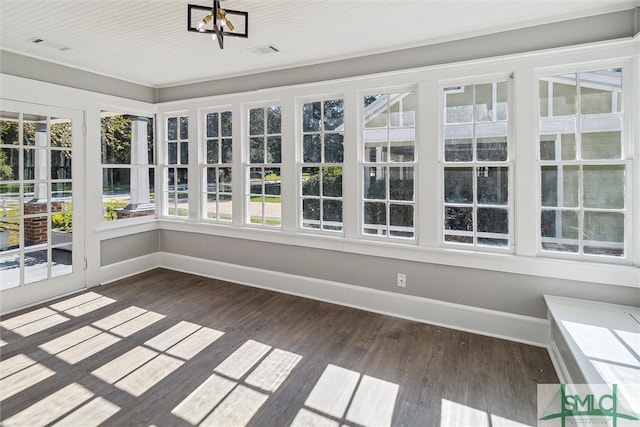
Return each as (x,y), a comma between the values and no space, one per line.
(36,203)
(582,171)
(264,161)
(217,169)
(176,168)
(128,171)
(322,158)
(389,154)
(476,171)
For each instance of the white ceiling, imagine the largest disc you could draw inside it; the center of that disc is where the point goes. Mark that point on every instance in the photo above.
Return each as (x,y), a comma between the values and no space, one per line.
(146,41)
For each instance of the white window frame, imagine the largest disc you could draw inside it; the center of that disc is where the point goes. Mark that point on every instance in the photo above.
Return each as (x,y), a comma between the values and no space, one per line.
(415,164)
(629,134)
(300,164)
(510,163)
(203,165)
(247,165)
(164,166)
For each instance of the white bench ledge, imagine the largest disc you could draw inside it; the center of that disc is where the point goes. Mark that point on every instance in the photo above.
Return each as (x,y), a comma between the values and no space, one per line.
(602,339)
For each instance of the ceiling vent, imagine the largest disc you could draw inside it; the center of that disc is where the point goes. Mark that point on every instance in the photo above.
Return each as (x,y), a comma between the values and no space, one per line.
(49,44)
(264,50)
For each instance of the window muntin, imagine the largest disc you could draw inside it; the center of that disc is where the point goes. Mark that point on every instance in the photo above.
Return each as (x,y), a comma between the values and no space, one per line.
(389,154)
(128,159)
(176,166)
(264,147)
(476,167)
(217,178)
(322,151)
(582,171)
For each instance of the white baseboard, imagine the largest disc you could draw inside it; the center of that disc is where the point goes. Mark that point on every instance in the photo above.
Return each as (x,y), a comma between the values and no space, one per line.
(524,329)
(130,267)
(558,364)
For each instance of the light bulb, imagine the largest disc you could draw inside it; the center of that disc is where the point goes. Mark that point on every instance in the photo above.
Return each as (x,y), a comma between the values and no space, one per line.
(203,22)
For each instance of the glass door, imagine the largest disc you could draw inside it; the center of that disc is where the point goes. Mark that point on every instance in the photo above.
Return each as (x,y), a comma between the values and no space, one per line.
(41,226)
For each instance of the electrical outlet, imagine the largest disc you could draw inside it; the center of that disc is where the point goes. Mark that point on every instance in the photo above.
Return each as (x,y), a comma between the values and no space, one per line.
(402,280)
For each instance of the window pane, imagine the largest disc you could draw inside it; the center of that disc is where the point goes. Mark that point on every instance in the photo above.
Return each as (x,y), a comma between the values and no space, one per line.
(9,164)
(172,128)
(212,125)
(401,183)
(184,127)
(225,117)
(274,150)
(401,220)
(402,143)
(272,181)
(458,185)
(212,151)
(375,218)
(184,153)
(601,91)
(310,181)
(332,212)
(256,150)
(37,261)
(227,151)
(224,181)
(273,119)
(375,183)
(558,147)
(256,121)
(459,104)
(604,233)
(491,101)
(332,182)
(172,153)
(559,230)
(604,186)
(458,218)
(559,186)
(376,145)
(493,185)
(333,114)
(492,220)
(60,132)
(375,111)
(311,148)
(602,145)
(255,177)
(543,89)
(564,95)
(402,109)
(458,143)
(333,148)
(212,180)
(311,213)
(491,142)
(9,271)
(311,117)
(10,239)
(61,164)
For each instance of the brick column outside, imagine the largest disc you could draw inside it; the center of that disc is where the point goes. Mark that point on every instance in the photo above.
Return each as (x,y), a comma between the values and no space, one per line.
(35,228)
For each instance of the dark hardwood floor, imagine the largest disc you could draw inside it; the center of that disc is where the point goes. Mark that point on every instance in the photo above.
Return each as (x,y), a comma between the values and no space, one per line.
(165,348)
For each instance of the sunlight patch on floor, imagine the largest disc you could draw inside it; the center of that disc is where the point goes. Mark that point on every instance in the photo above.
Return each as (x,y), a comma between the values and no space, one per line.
(68,406)
(145,366)
(243,359)
(343,394)
(19,373)
(33,322)
(225,399)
